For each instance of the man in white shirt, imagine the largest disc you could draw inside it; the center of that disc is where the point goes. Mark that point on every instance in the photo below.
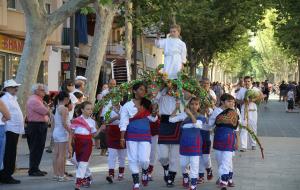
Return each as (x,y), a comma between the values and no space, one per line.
(14,127)
(248,113)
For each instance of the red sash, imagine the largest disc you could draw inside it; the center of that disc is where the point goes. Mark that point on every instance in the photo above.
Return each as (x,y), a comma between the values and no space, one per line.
(80,122)
(141,114)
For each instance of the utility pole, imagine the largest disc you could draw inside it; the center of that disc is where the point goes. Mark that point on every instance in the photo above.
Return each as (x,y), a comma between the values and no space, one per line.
(72,48)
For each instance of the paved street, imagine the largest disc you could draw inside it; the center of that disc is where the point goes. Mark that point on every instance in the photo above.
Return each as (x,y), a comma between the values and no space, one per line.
(280,136)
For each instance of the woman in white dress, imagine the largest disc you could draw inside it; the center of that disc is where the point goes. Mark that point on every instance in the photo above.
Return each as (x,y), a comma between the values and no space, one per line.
(61,136)
(174,52)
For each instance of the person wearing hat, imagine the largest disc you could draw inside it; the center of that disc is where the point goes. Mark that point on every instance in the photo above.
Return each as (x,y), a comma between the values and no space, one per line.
(80,82)
(14,127)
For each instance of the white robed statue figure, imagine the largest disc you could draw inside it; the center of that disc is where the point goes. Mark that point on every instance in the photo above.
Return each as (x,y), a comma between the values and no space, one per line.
(174,52)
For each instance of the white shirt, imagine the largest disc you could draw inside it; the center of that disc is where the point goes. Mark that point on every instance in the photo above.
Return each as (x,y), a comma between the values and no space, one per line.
(166,103)
(16,123)
(102,94)
(129,111)
(175,55)
(290,95)
(181,117)
(113,114)
(84,131)
(108,106)
(213,95)
(213,116)
(252,109)
(74,101)
(242,92)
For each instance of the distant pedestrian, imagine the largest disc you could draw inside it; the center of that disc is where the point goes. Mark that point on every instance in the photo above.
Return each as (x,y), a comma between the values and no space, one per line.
(14,127)
(283,91)
(291,100)
(266,91)
(298,94)
(38,116)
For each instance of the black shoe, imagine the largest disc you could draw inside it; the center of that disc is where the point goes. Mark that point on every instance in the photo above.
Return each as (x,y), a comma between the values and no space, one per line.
(43,172)
(10,180)
(68,174)
(171,179)
(49,151)
(37,174)
(109,179)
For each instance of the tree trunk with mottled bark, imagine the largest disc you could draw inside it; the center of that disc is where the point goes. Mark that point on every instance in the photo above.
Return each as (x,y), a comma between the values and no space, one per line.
(39,26)
(104,20)
(128,32)
(299,69)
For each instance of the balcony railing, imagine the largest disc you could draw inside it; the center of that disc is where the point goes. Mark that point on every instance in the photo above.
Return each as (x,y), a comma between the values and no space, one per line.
(115,49)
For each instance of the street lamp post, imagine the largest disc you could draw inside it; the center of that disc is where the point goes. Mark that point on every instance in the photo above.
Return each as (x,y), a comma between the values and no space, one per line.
(72,48)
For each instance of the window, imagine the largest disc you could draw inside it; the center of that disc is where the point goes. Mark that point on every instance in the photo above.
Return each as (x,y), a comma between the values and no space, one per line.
(11,4)
(48,8)
(13,61)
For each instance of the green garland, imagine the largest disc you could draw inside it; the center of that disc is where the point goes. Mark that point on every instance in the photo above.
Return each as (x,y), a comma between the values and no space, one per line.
(160,80)
(254,136)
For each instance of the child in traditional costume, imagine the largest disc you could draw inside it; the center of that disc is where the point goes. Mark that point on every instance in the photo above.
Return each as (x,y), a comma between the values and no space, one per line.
(174,52)
(190,142)
(113,143)
(134,124)
(154,127)
(83,128)
(205,158)
(168,138)
(226,120)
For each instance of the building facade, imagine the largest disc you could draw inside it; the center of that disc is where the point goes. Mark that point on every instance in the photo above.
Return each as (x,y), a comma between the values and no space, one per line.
(12,35)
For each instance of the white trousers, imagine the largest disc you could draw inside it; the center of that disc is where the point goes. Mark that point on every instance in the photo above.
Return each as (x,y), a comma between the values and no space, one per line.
(224,161)
(138,155)
(205,162)
(168,154)
(244,137)
(153,153)
(113,154)
(83,170)
(193,162)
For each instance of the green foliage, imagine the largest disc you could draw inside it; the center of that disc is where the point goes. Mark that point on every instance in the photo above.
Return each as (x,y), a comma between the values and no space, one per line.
(156,80)
(276,58)
(287,25)
(90,10)
(211,26)
(87,10)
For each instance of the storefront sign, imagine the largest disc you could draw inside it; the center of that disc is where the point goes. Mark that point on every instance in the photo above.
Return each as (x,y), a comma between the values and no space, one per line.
(11,45)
